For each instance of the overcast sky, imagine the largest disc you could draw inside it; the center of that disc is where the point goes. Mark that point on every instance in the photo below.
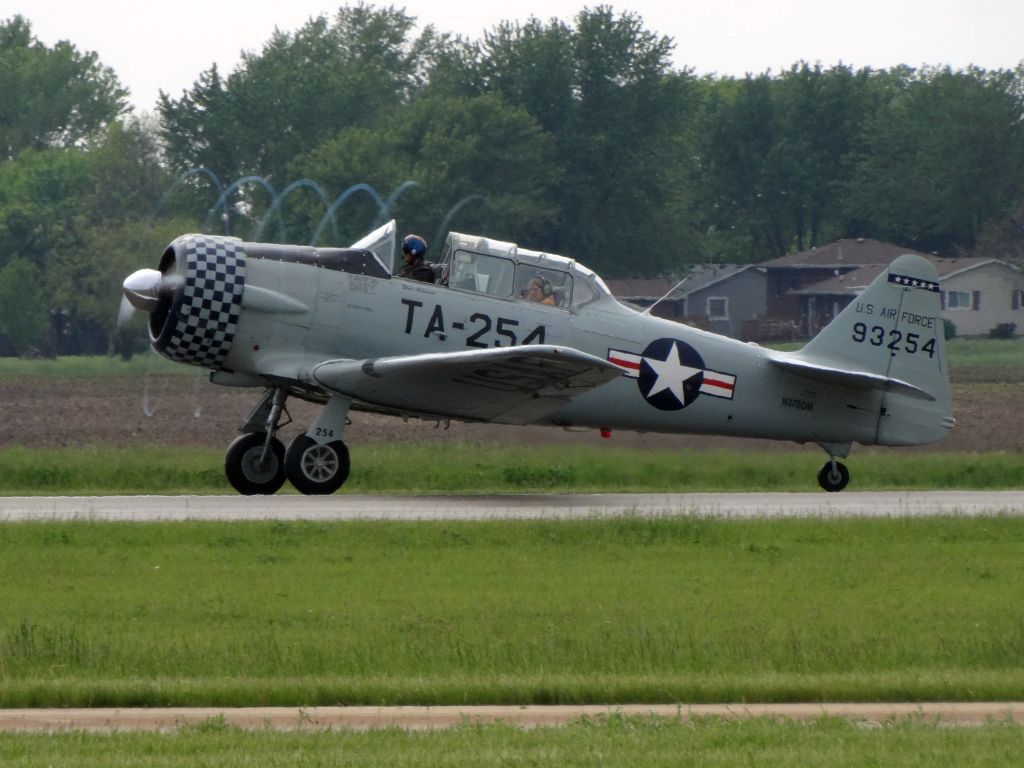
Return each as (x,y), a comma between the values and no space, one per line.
(165,45)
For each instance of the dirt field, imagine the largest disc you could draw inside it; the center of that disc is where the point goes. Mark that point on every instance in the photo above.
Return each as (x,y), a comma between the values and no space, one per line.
(189,411)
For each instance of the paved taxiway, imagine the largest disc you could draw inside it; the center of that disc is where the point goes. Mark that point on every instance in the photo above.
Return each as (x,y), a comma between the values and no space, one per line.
(428,718)
(522,506)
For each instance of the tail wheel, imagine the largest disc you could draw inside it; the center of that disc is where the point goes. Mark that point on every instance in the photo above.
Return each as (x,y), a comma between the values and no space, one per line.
(833,476)
(315,468)
(246,473)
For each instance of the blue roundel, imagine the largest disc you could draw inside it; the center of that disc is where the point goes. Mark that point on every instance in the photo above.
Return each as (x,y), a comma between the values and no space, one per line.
(671,374)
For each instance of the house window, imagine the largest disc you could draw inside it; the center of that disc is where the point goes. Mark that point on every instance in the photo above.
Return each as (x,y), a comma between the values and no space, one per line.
(718,308)
(1017,301)
(958,300)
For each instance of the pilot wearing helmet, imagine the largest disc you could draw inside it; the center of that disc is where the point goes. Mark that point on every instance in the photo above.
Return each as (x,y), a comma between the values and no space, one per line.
(416,267)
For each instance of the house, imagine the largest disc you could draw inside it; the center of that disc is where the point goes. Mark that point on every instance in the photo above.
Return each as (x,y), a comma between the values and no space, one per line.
(723,298)
(644,293)
(978,295)
(789,278)
(797,295)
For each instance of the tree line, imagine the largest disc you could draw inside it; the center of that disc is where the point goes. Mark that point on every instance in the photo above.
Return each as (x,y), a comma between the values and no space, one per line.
(575,137)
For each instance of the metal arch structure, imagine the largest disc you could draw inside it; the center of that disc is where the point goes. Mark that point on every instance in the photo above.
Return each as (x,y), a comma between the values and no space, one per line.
(390,201)
(275,207)
(453,210)
(222,200)
(200,170)
(339,201)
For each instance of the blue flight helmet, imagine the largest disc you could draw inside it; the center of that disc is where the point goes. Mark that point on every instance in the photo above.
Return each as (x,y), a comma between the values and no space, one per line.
(415,245)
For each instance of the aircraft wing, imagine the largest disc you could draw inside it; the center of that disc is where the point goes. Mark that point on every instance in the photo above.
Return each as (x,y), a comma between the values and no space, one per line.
(508,385)
(850,378)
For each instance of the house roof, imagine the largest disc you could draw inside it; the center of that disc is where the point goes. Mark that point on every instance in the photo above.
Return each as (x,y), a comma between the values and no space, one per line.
(705,275)
(855,281)
(653,288)
(844,253)
(698,278)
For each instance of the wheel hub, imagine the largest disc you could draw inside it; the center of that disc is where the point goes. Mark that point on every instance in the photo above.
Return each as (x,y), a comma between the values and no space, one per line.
(320,463)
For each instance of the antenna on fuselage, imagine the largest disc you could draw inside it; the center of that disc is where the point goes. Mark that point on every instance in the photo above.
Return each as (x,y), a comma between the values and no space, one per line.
(672,290)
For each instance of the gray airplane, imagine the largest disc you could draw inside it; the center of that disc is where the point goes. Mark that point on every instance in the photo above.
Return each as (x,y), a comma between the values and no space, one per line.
(515,336)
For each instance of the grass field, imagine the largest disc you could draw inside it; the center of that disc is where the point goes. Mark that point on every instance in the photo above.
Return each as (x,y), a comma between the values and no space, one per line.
(666,610)
(608,742)
(611,611)
(462,468)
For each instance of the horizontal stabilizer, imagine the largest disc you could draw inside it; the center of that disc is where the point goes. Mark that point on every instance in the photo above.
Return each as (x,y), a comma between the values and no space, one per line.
(509,385)
(843,377)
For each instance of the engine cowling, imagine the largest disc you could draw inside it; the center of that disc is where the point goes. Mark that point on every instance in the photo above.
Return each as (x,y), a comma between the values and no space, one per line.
(196,322)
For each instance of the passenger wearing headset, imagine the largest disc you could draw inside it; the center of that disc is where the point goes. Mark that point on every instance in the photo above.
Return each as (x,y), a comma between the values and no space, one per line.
(540,291)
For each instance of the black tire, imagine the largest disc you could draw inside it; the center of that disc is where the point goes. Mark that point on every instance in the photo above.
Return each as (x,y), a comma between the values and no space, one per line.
(241,465)
(316,469)
(833,481)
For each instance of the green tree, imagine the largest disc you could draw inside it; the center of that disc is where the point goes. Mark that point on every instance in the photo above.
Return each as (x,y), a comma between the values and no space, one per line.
(298,92)
(533,66)
(940,160)
(774,157)
(739,131)
(84,284)
(604,89)
(51,97)
(454,148)
(24,316)
(40,199)
(820,115)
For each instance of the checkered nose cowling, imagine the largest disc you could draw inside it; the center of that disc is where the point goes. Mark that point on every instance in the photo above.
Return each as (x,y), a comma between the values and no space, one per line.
(196,323)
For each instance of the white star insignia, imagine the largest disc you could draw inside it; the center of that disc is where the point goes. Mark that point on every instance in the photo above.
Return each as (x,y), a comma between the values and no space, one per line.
(671,374)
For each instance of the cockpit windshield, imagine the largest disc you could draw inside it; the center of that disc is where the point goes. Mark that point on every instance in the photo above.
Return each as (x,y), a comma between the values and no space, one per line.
(481,273)
(506,271)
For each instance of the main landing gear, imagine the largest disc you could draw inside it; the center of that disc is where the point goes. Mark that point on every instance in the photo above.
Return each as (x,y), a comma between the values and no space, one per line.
(317,462)
(834,475)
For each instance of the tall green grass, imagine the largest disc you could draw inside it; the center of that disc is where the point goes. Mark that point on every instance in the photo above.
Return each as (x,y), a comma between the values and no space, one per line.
(90,366)
(614,741)
(465,468)
(623,610)
(1007,353)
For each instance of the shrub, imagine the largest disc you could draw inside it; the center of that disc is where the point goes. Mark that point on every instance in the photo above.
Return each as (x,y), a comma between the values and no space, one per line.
(1003,331)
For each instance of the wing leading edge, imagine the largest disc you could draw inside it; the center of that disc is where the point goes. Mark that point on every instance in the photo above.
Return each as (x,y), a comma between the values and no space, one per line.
(508,385)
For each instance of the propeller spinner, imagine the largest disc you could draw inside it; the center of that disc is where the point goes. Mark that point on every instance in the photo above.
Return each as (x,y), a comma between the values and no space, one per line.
(143,290)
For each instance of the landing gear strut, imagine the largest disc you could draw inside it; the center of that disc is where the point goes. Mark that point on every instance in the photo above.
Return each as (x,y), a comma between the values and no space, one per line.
(254,463)
(315,463)
(834,475)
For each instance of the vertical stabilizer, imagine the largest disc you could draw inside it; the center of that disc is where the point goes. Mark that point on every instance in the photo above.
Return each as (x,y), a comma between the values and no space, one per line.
(890,337)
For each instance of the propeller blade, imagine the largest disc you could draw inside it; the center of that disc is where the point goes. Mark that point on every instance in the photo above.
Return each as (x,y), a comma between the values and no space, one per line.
(125,312)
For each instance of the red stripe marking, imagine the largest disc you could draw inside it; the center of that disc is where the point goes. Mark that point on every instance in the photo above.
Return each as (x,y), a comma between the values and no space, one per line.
(625,363)
(719,383)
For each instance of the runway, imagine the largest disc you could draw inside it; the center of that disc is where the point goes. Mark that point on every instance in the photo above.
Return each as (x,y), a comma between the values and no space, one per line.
(432,718)
(523,506)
